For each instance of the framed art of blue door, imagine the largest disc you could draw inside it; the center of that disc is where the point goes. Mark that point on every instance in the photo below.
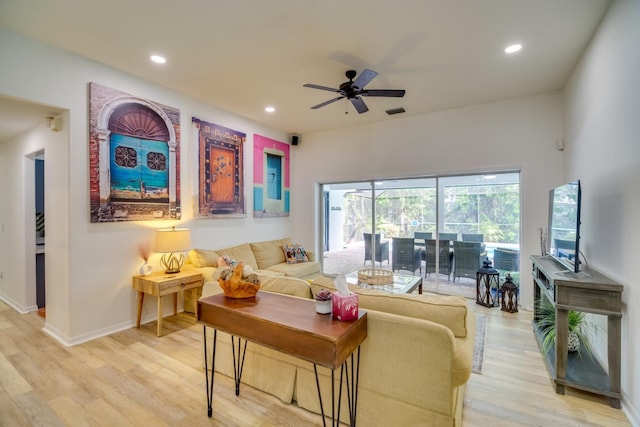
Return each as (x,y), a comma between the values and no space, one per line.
(274,177)
(139,169)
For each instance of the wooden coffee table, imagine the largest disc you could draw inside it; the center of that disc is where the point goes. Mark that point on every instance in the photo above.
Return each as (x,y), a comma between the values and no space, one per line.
(290,325)
(402,283)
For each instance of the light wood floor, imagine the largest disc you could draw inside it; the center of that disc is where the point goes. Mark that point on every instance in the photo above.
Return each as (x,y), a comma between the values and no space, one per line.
(134,378)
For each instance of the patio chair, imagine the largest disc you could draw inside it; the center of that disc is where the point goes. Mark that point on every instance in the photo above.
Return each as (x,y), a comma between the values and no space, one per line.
(506,259)
(405,255)
(420,237)
(473,237)
(429,257)
(381,252)
(468,258)
(448,236)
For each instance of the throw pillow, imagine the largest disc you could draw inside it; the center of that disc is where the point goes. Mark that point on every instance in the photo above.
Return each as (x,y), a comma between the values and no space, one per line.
(226,261)
(294,253)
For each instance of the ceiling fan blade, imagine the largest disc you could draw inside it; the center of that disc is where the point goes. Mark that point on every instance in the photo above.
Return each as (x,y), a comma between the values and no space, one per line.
(394,93)
(312,86)
(364,78)
(359,105)
(315,107)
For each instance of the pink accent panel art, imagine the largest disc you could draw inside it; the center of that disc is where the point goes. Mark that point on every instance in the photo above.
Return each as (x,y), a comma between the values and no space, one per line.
(271,177)
(259,144)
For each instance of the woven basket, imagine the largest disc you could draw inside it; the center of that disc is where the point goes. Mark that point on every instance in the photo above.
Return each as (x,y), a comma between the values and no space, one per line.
(375,276)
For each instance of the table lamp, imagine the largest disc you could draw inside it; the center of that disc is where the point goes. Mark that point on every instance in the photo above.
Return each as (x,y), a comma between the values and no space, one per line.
(171,242)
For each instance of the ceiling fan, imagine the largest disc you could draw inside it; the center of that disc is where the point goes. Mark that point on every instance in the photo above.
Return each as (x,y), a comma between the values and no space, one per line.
(354,89)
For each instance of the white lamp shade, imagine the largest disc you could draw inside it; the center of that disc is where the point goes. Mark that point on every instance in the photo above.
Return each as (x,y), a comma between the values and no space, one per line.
(173,240)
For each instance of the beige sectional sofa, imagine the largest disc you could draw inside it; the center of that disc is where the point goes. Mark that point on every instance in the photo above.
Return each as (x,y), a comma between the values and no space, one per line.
(263,258)
(414,363)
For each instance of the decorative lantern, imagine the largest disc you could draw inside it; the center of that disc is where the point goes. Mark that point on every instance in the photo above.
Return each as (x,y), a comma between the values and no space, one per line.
(487,285)
(509,295)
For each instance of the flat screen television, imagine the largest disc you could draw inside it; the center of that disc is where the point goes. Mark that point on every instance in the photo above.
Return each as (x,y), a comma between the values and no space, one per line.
(564,224)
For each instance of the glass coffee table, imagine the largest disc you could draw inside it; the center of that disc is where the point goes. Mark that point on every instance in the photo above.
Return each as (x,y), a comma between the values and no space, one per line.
(402,283)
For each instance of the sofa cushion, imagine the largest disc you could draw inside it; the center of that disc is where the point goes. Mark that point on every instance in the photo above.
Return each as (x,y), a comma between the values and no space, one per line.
(241,253)
(286,285)
(203,258)
(449,311)
(211,274)
(301,269)
(269,253)
(269,273)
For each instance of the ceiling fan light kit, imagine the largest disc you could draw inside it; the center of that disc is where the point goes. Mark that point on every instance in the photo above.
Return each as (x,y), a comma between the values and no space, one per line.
(353,90)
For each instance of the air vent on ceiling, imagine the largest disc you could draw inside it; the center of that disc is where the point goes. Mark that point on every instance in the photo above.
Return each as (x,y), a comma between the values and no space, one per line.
(395,111)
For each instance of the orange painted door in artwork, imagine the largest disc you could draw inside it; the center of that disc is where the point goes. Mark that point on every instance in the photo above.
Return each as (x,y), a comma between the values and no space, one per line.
(222,182)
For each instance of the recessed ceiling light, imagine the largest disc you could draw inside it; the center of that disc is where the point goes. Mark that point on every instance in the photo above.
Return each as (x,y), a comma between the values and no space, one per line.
(513,48)
(158,59)
(269,109)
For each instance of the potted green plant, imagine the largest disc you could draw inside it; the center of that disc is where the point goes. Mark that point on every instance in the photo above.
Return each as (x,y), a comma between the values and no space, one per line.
(579,327)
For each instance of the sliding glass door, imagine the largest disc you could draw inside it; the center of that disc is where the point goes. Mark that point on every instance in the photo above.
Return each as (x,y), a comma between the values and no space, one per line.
(475,214)
(393,208)
(478,214)
(348,214)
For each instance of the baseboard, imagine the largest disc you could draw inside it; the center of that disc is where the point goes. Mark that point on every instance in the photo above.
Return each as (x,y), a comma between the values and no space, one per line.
(89,336)
(632,413)
(17,307)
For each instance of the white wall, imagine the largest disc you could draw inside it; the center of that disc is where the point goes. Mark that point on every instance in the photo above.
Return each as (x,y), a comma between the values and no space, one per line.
(18,234)
(18,208)
(91,294)
(602,102)
(514,134)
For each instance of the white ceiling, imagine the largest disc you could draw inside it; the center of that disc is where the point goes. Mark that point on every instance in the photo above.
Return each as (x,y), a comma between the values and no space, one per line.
(244,55)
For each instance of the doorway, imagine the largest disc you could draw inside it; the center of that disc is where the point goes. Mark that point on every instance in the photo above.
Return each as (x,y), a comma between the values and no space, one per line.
(39,194)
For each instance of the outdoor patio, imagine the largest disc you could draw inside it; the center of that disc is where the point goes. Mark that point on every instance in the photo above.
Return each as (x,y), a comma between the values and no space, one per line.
(351,258)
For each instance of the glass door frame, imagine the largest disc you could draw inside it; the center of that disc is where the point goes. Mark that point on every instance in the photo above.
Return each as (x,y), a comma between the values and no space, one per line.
(378,186)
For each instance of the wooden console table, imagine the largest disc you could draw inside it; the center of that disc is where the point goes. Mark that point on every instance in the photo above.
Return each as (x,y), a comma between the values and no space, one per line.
(289,325)
(588,291)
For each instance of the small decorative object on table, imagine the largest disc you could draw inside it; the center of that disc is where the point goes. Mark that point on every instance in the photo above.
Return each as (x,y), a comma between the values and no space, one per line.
(344,306)
(344,303)
(235,286)
(323,301)
(375,276)
(146,268)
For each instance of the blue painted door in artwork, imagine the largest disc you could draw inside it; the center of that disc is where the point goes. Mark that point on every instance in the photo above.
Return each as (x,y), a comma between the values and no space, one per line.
(139,169)
(274,177)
